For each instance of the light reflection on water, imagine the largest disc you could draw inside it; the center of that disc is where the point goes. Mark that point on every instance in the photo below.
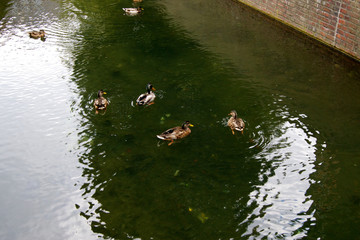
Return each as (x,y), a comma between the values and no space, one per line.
(37,168)
(281,205)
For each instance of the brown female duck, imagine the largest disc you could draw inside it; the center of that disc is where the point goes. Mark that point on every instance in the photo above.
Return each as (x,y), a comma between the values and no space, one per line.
(176,132)
(235,123)
(37,34)
(101,103)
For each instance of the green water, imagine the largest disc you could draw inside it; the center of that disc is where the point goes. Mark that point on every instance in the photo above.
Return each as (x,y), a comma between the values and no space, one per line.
(69,173)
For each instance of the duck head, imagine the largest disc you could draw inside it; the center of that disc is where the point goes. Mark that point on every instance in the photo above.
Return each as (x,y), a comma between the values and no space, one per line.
(233,113)
(101,92)
(150,88)
(187,124)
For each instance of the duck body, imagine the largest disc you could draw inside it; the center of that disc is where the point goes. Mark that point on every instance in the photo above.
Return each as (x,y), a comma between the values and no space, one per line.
(235,123)
(176,132)
(101,103)
(148,97)
(37,34)
(133,11)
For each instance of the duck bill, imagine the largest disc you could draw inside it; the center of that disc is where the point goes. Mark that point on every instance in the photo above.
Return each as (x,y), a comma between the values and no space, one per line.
(191,125)
(153,89)
(104,93)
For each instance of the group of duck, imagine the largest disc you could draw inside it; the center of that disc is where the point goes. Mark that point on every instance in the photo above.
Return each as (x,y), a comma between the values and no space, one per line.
(178,132)
(41,33)
(128,11)
(147,98)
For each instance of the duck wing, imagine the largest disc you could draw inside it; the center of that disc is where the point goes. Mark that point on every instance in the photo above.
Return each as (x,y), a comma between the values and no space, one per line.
(170,133)
(239,124)
(141,99)
(145,98)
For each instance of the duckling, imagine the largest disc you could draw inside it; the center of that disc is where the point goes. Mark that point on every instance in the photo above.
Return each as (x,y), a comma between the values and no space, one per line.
(133,11)
(37,34)
(176,132)
(148,97)
(101,103)
(235,122)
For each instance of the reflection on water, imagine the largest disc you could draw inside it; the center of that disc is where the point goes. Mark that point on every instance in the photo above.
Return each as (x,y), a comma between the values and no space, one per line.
(69,173)
(38,171)
(280,205)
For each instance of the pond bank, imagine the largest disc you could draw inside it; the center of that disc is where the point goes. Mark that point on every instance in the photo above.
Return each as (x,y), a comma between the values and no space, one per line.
(335,23)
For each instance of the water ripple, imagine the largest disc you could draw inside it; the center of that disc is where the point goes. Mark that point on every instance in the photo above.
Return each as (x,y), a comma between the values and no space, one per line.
(280,204)
(35,162)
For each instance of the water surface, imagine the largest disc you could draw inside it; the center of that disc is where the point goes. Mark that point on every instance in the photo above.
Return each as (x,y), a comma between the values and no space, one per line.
(69,173)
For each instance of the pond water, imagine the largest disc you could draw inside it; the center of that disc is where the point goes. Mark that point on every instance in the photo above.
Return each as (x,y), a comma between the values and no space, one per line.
(69,173)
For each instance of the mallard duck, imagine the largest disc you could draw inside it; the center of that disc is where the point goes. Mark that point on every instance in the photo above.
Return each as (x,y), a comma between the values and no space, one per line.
(176,132)
(148,97)
(235,122)
(37,34)
(133,11)
(101,103)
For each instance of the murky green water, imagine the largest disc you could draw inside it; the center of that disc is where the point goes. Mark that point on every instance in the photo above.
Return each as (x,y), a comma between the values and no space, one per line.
(68,173)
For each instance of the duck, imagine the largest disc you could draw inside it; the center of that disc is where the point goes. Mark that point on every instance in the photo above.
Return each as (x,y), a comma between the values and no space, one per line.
(235,123)
(176,132)
(37,34)
(101,103)
(133,11)
(148,97)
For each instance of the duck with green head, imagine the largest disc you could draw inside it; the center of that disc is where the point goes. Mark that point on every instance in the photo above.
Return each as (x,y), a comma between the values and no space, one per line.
(148,97)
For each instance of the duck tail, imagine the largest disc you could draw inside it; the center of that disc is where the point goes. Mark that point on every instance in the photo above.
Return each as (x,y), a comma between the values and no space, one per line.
(160,137)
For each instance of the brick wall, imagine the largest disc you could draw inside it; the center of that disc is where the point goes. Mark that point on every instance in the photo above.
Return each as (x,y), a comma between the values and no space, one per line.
(334,22)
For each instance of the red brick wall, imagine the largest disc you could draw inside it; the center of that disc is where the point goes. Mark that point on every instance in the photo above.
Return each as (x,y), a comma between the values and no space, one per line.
(335,22)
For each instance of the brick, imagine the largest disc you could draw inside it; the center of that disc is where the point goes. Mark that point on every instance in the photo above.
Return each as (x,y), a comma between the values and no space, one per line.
(325,14)
(341,21)
(351,26)
(323,34)
(350,36)
(340,32)
(320,18)
(343,27)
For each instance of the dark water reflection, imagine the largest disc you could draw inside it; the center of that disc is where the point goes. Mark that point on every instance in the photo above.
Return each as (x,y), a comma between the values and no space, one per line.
(68,173)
